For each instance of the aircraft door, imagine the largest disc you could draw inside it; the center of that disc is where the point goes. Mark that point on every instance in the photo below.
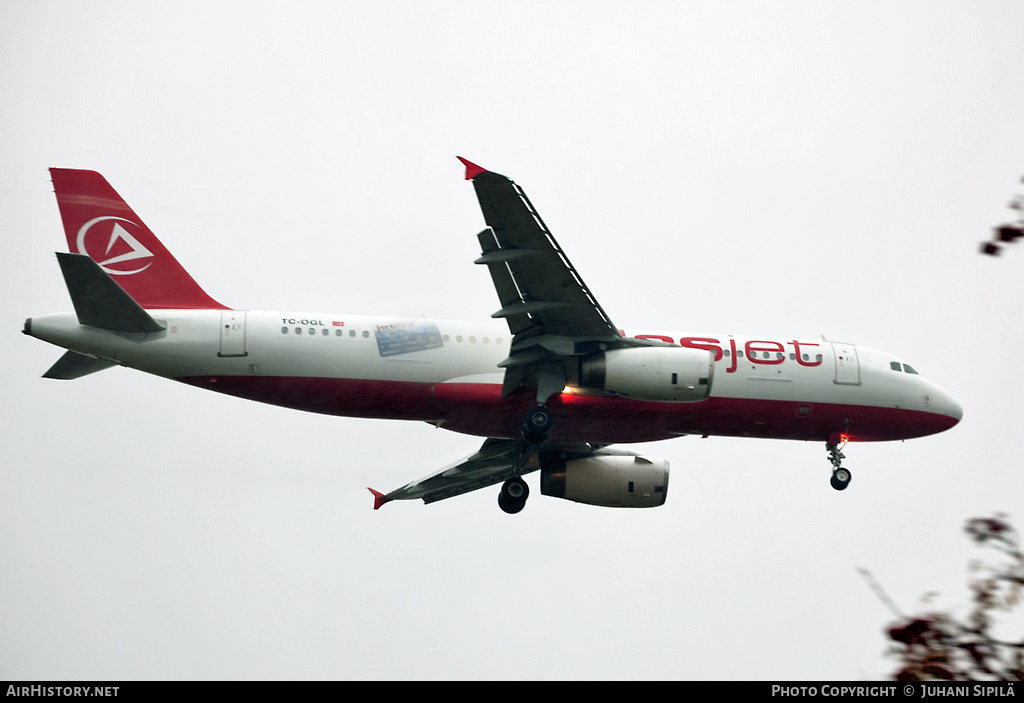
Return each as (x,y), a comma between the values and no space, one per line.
(232,333)
(847,364)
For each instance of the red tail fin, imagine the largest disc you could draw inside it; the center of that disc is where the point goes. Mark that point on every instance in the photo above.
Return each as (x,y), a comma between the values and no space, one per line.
(100,224)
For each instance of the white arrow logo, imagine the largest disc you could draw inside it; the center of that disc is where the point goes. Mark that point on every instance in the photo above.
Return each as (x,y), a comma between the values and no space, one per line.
(117,233)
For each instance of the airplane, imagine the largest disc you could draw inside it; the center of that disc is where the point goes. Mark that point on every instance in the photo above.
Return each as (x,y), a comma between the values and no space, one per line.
(550,383)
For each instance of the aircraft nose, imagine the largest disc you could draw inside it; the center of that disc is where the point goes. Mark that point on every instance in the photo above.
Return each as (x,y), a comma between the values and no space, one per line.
(944,404)
(953,408)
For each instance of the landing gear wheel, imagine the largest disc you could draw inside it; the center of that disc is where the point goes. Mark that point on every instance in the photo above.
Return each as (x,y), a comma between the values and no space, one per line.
(513,495)
(537,425)
(841,479)
(840,476)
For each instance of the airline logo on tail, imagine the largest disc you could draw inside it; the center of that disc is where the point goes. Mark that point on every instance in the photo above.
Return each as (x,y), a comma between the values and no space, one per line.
(122,246)
(99,224)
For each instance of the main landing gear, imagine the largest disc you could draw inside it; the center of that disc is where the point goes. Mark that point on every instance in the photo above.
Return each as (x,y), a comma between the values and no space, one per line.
(536,428)
(840,476)
(514,493)
(537,424)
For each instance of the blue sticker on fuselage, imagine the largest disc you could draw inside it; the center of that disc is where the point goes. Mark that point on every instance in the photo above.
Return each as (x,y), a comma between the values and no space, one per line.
(406,337)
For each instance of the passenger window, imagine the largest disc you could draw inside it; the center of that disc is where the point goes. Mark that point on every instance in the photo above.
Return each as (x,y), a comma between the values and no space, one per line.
(326,331)
(338,333)
(351,333)
(312,331)
(458,338)
(446,338)
(908,368)
(365,334)
(284,330)
(298,330)
(894,365)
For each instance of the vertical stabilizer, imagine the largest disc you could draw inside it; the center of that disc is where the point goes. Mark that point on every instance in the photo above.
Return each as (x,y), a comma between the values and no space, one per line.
(99,224)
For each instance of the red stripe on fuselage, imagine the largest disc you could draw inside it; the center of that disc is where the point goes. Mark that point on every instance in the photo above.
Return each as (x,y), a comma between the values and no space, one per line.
(478,409)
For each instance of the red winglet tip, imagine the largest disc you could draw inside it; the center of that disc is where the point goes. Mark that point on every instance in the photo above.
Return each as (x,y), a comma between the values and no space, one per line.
(378,498)
(472,170)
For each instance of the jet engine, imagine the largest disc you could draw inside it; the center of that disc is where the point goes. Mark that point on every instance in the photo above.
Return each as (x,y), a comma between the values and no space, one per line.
(674,374)
(608,480)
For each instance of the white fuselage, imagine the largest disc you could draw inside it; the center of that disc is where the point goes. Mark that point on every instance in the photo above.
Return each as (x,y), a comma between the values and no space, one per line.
(446,372)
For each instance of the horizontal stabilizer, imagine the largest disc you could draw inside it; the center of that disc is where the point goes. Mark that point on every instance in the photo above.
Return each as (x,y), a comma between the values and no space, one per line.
(99,301)
(74,365)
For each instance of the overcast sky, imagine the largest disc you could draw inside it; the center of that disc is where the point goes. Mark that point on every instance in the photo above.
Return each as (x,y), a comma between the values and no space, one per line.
(789,168)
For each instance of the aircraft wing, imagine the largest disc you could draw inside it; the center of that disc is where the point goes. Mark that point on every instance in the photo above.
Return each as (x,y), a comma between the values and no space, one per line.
(549,309)
(553,318)
(547,293)
(496,461)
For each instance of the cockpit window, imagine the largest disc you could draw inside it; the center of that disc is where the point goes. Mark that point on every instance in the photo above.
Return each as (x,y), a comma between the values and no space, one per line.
(894,365)
(908,368)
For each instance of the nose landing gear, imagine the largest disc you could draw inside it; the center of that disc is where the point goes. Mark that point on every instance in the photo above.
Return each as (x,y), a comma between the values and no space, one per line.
(840,476)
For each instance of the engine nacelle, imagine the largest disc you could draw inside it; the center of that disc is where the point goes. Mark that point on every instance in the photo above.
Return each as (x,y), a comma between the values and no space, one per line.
(673,374)
(612,481)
